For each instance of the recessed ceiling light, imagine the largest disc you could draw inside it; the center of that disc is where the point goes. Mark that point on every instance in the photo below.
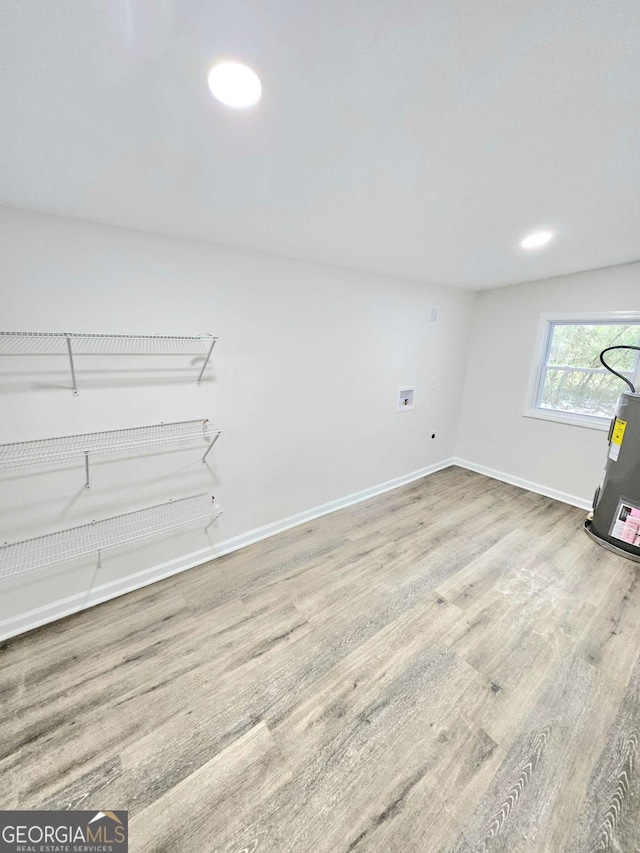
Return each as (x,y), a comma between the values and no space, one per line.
(234,84)
(537,239)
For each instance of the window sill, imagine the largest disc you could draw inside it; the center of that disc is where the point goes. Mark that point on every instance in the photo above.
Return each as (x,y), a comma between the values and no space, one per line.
(570,418)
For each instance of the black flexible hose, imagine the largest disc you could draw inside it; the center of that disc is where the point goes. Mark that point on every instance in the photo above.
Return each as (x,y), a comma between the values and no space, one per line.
(615,372)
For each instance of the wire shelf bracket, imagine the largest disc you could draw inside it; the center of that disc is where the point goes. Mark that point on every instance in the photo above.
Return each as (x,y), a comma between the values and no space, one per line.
(48,450)
(32,555)
(76,344)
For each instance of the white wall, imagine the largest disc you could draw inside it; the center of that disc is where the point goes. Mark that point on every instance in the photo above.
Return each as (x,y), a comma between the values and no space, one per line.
(303,382)
(493,434)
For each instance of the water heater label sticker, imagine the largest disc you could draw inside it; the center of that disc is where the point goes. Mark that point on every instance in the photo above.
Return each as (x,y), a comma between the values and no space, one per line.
(617,437)
(626,524)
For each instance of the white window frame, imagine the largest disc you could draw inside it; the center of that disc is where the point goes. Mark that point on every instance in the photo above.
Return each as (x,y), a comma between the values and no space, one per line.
(541,350)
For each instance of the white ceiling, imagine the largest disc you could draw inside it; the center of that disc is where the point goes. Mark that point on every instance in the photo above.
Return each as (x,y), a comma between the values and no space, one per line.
(420,138)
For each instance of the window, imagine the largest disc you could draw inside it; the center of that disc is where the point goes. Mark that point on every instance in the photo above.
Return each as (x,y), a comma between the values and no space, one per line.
(570,384)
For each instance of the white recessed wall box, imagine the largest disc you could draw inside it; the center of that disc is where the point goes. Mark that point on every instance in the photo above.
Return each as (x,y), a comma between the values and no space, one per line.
(406,398)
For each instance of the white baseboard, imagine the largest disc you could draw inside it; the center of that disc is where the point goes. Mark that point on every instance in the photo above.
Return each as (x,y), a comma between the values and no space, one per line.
(66,606)
(523,484)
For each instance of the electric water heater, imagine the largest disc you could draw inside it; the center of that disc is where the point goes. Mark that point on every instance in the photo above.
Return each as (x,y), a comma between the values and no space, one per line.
(615,521)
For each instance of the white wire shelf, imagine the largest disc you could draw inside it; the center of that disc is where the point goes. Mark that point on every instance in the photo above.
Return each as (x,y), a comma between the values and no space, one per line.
(32,555)
(74,344)
(48,450)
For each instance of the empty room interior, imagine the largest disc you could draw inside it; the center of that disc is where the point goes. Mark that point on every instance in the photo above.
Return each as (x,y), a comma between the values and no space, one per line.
(319,426)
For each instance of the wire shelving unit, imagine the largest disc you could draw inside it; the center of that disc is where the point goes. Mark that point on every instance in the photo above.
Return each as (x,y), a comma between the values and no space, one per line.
(48,450)
(32,555)
(75,344)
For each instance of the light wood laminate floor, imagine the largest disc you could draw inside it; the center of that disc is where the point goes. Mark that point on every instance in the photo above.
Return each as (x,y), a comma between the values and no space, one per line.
(451,666)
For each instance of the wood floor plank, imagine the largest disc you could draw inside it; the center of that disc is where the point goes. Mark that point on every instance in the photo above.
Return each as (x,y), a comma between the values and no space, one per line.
(361,680)
(510,683)
(194,814)
(609,639)
(110,713)
(482,574)
(610,818)
(353,773)
(424,809)
(543,778)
